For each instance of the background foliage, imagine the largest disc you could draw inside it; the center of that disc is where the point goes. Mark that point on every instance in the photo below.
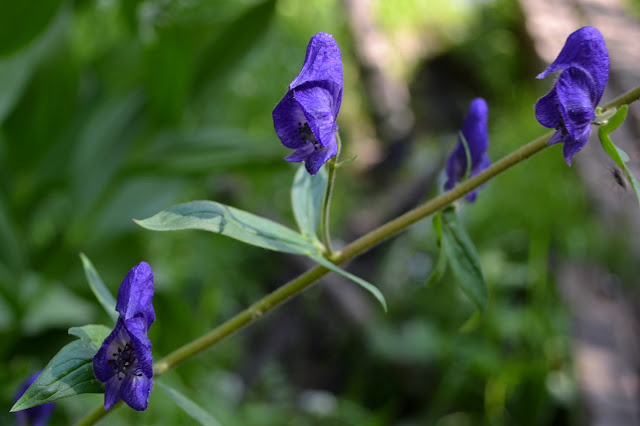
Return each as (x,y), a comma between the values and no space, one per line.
(112,110)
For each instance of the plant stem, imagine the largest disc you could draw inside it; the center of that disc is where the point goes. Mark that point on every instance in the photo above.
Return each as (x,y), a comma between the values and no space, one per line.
(326,201)
(357,247)
(97,413)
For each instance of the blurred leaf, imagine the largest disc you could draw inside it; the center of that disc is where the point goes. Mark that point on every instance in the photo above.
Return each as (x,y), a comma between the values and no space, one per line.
(463,258)
(441,266)
(23,21)
(364,284)
(190,407)
(99,289)
(169,63)
(617,154)
(307,194)
(55,306)
(131,197)
(102,144)
(16,69)
(70,371)
(233,43)
(238,224)
(12,249)
(206,149)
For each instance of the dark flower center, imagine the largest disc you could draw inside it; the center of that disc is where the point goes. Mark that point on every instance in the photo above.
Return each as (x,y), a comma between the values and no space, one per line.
(125,362)
(562,127)
(306,135)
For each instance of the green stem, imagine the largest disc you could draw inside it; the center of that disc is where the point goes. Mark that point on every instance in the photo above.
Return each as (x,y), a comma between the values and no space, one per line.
(326,201)
(98,413)
(357,247)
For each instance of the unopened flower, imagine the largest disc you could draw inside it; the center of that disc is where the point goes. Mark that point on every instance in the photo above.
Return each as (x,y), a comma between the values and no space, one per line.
(474,131)
(305,119)
(570,106)
(35,416)
(124,361)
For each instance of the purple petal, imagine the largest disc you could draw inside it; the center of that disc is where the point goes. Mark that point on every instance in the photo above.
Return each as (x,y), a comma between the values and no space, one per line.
(573,145)
(483,163)
(136,294)
(118,337)
(557,137)
(135,391)
(474,129)
(287,117)
(320,156)
(575,100)
(456,166)
(323,61)
(38,415)
(547,110)
(320,103)
(471,197)
(584,49)
(314,157)
(475,132)
(141,344)
(300,154)
(112,392)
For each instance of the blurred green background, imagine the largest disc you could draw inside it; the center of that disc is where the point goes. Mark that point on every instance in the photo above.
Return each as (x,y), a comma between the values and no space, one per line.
(114,109)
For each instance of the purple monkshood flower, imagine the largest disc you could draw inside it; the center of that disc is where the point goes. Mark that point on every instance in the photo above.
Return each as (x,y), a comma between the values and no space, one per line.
(305,119)
(124,361)
(569,106)
(474,130)
(35,416)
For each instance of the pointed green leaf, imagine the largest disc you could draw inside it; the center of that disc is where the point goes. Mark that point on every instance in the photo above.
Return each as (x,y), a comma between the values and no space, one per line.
(190,407)
(463,258)
(364,284)
(99,289)
(467,153)
(238,224)
(441,265)
(618,155)
(70,371)
(307,193)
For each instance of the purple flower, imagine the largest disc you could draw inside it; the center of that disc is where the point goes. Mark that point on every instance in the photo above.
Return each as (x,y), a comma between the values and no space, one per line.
(35,416)
(305,119)
(124,361)
(569,106)
(474,130)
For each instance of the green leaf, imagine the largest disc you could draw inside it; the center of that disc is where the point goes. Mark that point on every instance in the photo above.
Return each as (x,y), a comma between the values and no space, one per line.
(204,150)
(233,43)
(467,153)
(463,258)
(364,284)
(70,371)
(618,155)
(307,193)
(99,289)
(21,22)
(190,407)
(238,224)
(441,265)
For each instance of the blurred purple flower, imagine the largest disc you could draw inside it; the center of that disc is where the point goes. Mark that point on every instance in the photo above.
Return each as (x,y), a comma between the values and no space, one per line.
(35,416)
(474,130)
(569,106)
(305,119)
(124,361)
